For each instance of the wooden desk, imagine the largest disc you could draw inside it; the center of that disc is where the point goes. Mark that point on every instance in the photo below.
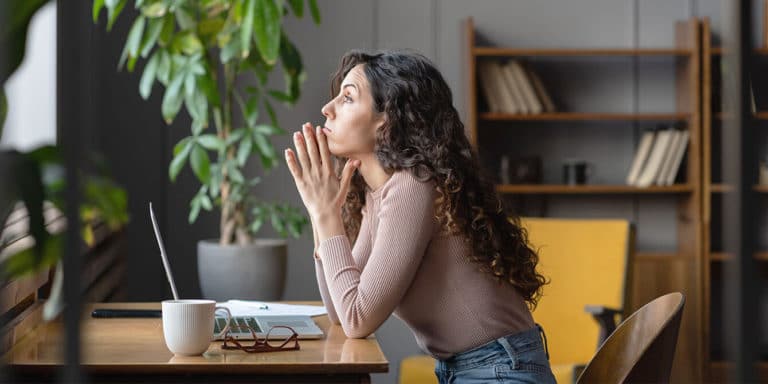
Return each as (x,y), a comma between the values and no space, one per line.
(133,350)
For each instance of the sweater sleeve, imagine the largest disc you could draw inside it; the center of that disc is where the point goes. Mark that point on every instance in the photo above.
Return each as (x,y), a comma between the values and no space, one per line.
(324,294)
(366,298)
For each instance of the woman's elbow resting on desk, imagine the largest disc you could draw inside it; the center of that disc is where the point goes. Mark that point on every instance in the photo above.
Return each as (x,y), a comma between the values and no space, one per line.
(356,331)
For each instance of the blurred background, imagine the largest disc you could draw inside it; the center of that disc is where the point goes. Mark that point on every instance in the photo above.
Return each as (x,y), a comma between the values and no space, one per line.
(595,89)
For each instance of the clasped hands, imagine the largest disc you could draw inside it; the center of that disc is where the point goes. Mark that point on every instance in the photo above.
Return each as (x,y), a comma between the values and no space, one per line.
(311,166)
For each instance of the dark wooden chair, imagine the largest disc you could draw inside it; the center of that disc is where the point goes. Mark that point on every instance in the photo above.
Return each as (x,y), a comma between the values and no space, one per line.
(642,348)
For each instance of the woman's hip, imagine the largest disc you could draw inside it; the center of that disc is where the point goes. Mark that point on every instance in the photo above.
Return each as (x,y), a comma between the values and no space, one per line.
(521,357)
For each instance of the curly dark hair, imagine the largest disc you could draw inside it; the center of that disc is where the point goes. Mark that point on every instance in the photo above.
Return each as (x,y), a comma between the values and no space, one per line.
(423,134)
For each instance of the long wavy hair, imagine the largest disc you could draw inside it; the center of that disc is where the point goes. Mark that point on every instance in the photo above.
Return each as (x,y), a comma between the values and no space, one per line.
(424,135)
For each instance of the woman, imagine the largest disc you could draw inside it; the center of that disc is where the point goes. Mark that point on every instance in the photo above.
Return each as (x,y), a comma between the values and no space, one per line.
(432,243)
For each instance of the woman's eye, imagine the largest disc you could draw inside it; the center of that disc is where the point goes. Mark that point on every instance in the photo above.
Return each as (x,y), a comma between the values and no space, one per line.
(347,99)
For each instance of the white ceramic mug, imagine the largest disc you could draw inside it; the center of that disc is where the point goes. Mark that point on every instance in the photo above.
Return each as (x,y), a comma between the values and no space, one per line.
(188,325)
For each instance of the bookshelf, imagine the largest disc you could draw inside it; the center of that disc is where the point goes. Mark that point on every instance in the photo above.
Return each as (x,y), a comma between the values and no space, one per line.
(716,369)
(655,272)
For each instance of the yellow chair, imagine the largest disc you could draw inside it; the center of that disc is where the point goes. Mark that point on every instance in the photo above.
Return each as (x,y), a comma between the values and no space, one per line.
(587,263)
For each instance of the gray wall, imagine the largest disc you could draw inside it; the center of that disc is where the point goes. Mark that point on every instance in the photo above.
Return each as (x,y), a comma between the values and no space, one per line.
(140,143)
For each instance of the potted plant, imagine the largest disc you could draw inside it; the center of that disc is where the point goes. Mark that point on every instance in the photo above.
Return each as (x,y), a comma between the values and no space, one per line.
(201,50)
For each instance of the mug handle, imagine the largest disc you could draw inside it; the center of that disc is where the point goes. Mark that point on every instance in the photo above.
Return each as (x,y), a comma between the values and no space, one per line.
(229,320)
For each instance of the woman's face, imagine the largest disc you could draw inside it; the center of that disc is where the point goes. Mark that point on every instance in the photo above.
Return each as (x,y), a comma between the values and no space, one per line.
(351,117)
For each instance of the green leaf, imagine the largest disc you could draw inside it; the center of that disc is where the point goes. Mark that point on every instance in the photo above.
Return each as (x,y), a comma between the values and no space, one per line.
(166,34)
(234,136)
(230,50)
(267,27)
(148,77)
(156,9)
(280,96)
(315,11)
(181,151)
(97,5)
(205,201)
(268,130)
(271,113)
(200,163)
(131,48)
(266,151)
(164,67)
(208,86)
(244,150)
(194,210)
(113,10)
(234,173)
(256,224)
(211,142)
(298,7)
(188,43)
(246,28)
(172,99)
(185,19)
(3,109)
(150,38)
(278,224)
(290,57)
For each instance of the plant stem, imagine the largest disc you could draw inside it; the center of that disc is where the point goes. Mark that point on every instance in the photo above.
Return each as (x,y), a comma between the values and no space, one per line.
(228,224)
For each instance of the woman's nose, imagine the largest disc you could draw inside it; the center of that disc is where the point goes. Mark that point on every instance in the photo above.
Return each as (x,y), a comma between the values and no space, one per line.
(327,110)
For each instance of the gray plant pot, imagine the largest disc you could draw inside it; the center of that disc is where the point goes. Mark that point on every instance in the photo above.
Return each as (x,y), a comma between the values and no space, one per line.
(247,272)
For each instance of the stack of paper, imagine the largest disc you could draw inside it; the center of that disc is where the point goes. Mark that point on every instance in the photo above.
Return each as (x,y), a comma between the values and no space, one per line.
(261,308)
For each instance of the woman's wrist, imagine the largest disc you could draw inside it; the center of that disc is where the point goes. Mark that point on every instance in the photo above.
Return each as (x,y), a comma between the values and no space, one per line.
(328,225)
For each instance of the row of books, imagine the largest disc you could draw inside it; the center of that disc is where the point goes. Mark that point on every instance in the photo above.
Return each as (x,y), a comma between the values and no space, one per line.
(512,87)
(658,157)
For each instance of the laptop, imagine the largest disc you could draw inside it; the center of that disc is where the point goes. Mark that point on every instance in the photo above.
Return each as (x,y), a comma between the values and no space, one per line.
(304,326)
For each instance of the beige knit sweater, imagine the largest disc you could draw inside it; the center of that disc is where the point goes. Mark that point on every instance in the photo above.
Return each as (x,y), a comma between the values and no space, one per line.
(401,264)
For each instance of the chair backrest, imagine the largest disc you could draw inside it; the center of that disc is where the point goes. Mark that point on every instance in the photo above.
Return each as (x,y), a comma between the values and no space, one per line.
(587,262)
(642,348)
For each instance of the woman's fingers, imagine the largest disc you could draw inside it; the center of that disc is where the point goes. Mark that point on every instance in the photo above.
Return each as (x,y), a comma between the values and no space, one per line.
(301,151)
(290,159)
(346,176)
(311,141)
(325,153)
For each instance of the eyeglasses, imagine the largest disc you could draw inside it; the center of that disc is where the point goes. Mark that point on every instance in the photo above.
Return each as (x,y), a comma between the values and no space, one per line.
(289,343)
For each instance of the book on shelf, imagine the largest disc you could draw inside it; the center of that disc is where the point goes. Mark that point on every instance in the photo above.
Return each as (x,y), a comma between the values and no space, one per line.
(658,157)
(547,104)
(509,80)
(677,158)
(641,156)
(489,86)
(512,88)
(529,96)
(674,136)
(653,165)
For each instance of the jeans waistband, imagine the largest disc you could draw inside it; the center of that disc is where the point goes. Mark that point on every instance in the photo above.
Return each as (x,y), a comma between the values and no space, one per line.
(514,343)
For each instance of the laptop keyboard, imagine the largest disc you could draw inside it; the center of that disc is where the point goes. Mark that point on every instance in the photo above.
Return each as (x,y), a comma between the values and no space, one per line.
(221,322)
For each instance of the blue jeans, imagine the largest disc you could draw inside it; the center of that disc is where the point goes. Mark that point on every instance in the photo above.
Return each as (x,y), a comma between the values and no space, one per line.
(519,358)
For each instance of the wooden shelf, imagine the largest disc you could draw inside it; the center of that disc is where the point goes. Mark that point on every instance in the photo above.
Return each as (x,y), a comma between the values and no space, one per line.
(759,115)
(716,51)
(720,188)
(560,189)
(581,116)
(499,51)
(656,255)
(723,256)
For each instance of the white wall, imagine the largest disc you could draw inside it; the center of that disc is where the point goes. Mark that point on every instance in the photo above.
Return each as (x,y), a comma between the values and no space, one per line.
(31,90)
